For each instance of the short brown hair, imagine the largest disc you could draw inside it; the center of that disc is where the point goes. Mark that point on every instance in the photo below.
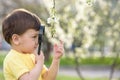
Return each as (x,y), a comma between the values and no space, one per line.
(17,22)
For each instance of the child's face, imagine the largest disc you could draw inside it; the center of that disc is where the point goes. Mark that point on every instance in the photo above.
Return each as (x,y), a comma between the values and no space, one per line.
(29,41)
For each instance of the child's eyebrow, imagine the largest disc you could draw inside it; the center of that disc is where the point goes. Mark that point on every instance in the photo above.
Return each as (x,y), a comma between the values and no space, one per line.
(34,34)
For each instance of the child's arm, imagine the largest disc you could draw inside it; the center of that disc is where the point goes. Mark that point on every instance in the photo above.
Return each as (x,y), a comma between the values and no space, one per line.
(53,70)
(35,72)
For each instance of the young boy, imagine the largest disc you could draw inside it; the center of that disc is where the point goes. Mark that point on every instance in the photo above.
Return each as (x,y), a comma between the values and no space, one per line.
(20,29)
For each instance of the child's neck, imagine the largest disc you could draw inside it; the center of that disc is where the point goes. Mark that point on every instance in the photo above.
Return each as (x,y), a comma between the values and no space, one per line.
(17,49)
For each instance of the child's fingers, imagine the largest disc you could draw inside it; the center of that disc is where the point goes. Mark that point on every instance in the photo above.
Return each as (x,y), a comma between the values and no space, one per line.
(58,46)
(55,45)
(61,42)
(41,53)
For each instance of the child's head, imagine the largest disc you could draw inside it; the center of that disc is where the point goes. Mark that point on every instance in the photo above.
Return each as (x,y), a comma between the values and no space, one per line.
(18,22)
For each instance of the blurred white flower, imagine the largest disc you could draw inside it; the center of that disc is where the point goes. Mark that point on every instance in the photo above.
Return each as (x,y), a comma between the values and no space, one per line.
(90,2)
(51,20)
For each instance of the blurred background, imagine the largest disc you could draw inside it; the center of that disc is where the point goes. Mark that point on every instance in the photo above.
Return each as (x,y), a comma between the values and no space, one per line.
(90,30)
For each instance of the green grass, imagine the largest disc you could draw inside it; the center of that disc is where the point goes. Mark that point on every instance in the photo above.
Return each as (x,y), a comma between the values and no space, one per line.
(86,61)
(2,56)
(1,76)
(99,60)
(61,77)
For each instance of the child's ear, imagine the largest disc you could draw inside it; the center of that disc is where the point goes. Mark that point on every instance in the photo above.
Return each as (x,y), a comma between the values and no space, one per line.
(16,39)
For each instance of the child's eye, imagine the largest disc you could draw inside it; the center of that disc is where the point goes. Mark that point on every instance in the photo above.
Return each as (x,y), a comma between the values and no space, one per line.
(34,36)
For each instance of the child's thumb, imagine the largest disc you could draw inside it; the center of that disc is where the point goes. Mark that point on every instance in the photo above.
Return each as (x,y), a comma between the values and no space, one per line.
(55,46)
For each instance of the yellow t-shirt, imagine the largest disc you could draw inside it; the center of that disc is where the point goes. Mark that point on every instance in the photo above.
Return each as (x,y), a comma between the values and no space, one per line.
(16,64)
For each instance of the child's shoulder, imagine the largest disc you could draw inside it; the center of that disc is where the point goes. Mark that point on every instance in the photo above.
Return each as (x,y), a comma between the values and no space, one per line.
(10,56)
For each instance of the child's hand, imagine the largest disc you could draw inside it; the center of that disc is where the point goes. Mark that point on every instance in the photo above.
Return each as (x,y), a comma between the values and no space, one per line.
(58,50)
(40,59)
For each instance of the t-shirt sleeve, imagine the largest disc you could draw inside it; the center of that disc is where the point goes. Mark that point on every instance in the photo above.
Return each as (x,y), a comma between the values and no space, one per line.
(18,68)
